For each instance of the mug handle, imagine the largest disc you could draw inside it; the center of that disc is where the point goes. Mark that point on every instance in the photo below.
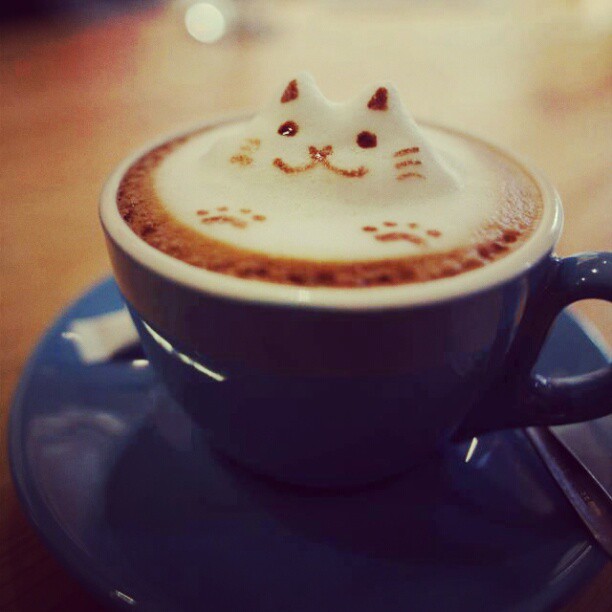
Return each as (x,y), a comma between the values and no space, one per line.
(528,399)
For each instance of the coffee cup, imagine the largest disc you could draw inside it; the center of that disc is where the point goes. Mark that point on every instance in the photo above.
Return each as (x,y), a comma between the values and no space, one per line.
(340,386)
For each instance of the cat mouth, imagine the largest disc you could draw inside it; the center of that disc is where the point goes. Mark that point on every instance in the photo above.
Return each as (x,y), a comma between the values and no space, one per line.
(319,157)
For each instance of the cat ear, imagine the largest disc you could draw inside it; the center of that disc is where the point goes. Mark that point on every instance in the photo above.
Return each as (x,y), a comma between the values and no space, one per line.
(302,88)
(379,100)
(292,92)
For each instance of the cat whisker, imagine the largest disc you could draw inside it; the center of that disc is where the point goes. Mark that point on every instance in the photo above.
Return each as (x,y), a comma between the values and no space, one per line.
(408,162)
(251,146)
(407,151)
(408,175)
(243,160)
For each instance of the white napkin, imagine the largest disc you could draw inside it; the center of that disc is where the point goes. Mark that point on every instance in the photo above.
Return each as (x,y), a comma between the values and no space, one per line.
(97,339)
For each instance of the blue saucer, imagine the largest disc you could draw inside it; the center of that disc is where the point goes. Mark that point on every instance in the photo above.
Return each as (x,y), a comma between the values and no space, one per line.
(128,494)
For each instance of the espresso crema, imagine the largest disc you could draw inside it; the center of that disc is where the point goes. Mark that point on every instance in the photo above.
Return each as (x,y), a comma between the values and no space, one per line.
(315,193)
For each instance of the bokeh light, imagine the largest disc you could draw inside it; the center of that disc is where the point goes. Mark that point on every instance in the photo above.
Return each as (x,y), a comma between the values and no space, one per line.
(205,22)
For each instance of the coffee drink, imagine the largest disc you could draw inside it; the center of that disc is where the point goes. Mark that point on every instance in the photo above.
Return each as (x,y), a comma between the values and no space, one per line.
(316,193)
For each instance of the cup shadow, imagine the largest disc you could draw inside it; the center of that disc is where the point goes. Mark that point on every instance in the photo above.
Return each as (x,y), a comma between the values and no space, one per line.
(440,511)
(190,523)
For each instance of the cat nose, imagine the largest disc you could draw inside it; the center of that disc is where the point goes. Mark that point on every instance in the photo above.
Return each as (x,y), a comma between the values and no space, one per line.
(320,153)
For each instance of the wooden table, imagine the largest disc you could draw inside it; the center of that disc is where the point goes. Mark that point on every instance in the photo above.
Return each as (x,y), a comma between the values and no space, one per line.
(76,97)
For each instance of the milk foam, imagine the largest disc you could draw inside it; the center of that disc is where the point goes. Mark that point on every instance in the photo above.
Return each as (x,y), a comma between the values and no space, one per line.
(318,194)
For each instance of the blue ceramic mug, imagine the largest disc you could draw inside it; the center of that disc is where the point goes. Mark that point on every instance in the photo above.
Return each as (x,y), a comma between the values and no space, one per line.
(338,387)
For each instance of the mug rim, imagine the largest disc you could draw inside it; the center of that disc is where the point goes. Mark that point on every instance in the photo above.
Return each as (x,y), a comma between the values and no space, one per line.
(541,242)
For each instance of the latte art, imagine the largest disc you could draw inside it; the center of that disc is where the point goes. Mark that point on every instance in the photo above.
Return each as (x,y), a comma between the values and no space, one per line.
(316,193)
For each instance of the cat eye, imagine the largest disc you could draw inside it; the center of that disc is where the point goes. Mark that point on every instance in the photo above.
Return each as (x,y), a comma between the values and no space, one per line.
(366,140)
(289,128)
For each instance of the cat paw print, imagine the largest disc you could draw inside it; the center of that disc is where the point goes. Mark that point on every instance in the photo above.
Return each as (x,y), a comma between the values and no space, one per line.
(396,232)
(222,215)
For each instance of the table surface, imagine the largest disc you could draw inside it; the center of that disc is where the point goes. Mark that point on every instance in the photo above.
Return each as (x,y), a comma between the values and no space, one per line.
(77,95)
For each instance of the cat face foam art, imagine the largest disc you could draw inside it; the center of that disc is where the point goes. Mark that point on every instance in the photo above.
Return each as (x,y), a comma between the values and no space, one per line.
(371,142)
(310,178)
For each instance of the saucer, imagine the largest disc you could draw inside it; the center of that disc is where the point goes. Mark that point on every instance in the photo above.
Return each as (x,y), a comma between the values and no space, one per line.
(129,495)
